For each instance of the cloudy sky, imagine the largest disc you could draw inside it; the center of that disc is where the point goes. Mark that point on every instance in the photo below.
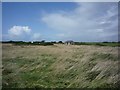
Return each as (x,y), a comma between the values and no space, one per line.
(54,21)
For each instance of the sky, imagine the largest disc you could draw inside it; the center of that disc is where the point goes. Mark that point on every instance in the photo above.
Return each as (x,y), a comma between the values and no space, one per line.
(55,21)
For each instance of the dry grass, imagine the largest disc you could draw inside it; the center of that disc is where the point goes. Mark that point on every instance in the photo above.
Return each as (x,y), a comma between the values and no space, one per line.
(60,66)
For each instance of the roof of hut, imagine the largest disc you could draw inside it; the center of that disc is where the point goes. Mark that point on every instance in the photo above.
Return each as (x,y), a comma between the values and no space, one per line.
(68,41)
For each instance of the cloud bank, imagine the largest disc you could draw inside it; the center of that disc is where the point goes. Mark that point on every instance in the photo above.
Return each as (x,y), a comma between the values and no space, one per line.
(87,22)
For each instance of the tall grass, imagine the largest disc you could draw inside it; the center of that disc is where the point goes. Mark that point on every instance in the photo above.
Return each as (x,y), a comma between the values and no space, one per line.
(59,66)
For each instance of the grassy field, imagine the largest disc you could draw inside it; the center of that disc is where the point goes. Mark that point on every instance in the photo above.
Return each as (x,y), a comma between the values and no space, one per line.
(112,44)
(60,66)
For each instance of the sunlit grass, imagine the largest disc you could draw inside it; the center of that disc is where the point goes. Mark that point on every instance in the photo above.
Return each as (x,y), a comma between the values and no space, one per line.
(60,66)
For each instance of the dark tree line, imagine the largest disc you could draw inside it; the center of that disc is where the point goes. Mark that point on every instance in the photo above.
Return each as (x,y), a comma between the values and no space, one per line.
(43,42)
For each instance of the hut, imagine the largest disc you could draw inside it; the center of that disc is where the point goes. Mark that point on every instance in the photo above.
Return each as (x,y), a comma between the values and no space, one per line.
(69,42)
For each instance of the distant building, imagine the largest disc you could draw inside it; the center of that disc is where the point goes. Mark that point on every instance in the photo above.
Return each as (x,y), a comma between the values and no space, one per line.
(69,42)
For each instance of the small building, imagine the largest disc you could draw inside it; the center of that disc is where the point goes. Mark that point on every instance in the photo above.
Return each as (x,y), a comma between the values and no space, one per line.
(69,42)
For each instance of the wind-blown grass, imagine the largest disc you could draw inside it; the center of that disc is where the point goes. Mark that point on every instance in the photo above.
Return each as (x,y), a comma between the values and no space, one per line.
(60,66)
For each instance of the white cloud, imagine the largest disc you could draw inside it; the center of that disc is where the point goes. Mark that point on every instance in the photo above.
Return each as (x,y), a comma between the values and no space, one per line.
(93,20)
(18,33)
(19,30)
(60,22)
(22,33)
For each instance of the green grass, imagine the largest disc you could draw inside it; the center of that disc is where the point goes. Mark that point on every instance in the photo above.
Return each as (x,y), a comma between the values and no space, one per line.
(27,74)
(103,56)
(54,68)
(112,44)
(92,75)
(43,76)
